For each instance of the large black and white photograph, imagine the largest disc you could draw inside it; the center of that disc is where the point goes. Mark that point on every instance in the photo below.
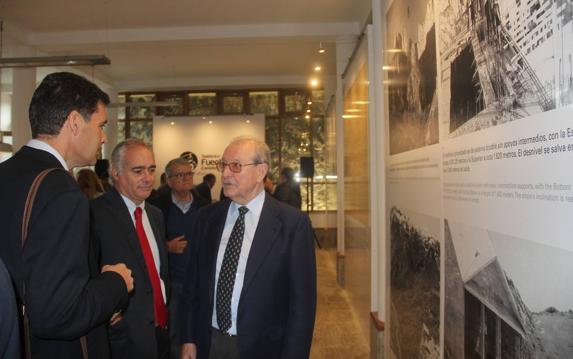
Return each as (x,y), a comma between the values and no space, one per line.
(411,75)
(415,285)
(501,61)
(505,297)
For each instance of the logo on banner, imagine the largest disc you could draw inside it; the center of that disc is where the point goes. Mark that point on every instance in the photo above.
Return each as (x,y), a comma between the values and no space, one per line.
(191,158)
(209,162)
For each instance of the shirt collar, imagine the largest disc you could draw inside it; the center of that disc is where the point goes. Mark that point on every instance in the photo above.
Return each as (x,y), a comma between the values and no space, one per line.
(131,206)
(255,206)
(182,205)
(44,146)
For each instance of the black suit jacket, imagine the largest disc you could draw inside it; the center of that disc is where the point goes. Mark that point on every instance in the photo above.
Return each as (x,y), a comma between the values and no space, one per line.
(204,191)
(278,300)
(114,231)
(66,296)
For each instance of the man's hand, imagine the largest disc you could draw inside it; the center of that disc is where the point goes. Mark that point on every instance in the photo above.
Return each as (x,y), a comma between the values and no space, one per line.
(176,245)
(189,351)
(123,271)
(115,318)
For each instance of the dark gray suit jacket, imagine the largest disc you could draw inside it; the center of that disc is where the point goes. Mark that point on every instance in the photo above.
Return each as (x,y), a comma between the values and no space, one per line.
(278,301)
(114,231)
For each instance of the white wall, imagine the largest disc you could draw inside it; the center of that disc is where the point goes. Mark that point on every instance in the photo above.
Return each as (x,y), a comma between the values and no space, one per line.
(175,135)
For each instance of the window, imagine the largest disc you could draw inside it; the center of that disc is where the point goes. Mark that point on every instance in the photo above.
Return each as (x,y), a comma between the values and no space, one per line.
(141,111)
(176,109)
(202,103)
(266,102)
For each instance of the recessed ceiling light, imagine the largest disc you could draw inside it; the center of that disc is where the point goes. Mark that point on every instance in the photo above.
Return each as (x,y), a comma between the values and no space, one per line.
(309,103)
(172,123)
(210,121)
(248,121)
(317,68)
(313,82)
(307,117)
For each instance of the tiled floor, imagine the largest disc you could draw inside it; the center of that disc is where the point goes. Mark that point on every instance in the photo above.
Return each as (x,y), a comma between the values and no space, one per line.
(337,333)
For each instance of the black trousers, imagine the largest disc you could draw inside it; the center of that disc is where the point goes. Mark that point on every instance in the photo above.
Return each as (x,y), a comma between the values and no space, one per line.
(223,346)
(162,335)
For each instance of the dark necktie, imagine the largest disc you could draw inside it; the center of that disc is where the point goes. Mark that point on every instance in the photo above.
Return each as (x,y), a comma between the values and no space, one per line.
(160,309)
(228,271)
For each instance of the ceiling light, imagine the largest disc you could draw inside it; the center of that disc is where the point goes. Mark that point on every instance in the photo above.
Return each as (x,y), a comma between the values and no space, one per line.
(307,117)
(210,121)
(172,123)
(248,121)
(321,50)
(317,68)
(43,61)
(309,103)
(308,110)
(313,82)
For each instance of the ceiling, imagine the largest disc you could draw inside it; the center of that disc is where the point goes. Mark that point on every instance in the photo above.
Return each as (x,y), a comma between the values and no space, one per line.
(175,44)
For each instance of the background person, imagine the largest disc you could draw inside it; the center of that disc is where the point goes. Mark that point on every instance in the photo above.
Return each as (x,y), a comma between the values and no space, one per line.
(179,206)
(204,188)
(89,183)
(288,190)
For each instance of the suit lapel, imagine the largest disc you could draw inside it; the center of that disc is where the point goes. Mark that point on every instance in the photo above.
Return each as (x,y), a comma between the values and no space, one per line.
(266,235)
(118,206)
(215,226)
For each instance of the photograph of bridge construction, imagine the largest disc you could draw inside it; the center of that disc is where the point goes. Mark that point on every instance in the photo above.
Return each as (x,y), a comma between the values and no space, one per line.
(502,60)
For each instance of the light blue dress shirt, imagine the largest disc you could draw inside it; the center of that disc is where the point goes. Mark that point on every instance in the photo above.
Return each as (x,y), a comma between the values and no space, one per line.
(255,207)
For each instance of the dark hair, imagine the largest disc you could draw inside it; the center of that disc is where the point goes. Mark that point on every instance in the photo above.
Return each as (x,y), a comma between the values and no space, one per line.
(209,177)
(102,168)
(176,161)
(288,173)
(57,96)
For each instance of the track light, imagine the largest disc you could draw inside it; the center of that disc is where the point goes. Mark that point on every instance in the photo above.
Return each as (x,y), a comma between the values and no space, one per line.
(321,50)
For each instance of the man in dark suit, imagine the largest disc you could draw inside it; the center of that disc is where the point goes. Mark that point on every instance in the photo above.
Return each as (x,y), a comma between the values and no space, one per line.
(250,290)
(204,188)
(130,230)
(66,296)
(288,190)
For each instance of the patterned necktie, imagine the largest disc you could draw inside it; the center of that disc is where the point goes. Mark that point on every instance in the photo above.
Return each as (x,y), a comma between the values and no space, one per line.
(160,310)
(228,272)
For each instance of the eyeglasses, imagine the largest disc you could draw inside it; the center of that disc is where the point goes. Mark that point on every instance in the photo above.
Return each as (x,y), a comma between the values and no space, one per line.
(235,167)
(181,175)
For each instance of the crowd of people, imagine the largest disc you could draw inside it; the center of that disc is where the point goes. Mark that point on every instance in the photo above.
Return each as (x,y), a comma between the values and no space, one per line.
(106,266)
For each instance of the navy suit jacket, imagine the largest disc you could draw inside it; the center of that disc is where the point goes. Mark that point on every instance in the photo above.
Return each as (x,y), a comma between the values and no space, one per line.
(278,301)
(114,231)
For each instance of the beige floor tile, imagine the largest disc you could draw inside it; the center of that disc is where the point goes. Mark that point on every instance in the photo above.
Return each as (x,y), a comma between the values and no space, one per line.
(337,333)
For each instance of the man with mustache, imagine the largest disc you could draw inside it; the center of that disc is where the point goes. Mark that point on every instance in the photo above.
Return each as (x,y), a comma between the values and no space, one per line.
(250,288)
(127,227)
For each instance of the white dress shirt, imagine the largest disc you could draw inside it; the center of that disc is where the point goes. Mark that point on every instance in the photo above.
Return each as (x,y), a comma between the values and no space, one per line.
(44,146)
(255,207)
(149,234)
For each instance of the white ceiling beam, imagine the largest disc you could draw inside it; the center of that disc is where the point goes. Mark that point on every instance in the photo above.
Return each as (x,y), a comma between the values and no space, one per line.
(194,33)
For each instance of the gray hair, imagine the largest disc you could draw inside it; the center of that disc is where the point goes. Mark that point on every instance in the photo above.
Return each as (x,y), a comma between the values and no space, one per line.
(262,151)
(176,161)
(118,153)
